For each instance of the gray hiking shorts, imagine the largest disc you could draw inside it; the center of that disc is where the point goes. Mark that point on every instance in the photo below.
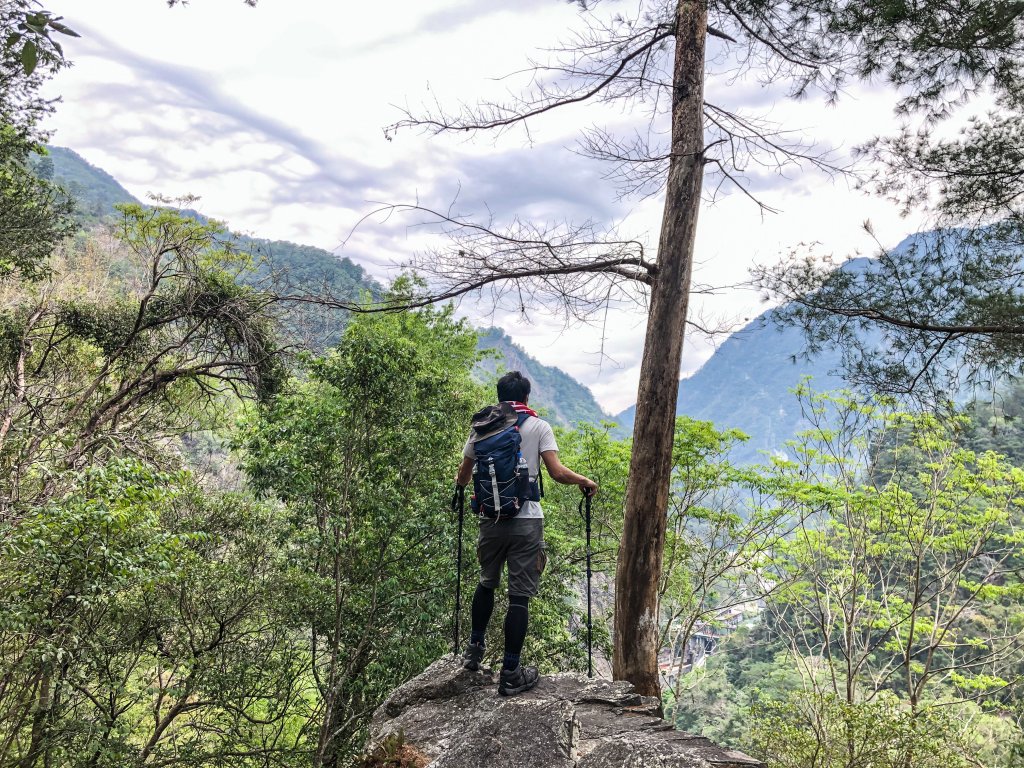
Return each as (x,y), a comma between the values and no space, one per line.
(520,543)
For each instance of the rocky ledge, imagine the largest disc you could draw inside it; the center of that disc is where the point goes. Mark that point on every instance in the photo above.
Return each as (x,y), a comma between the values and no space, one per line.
(454,718)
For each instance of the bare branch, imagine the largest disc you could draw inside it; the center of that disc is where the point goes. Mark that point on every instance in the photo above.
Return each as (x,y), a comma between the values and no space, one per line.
(573,266)
(595,68)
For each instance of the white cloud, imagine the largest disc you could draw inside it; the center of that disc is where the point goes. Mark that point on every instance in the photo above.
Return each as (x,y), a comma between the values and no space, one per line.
(274,117)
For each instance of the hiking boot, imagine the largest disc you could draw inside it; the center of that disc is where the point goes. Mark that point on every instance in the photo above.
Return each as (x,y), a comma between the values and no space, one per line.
(517,680)
(472,657)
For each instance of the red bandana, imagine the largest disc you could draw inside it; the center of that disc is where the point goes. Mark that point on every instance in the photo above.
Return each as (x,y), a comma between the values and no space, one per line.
(522,408)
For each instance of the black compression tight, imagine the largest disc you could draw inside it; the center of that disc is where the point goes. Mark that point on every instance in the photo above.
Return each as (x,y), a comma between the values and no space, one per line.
(516,619)
(483,607)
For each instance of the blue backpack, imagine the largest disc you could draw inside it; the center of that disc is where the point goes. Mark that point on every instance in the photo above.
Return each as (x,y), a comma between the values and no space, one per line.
(501,476)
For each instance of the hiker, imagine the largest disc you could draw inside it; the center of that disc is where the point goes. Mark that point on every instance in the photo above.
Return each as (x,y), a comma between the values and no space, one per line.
(517,540)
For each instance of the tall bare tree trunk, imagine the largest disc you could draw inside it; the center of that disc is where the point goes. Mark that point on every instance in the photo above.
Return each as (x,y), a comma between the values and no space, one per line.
(643,536)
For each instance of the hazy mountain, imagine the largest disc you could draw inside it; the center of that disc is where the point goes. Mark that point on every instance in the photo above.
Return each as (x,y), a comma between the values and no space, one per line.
(564,399)
(559,396)
(746,385)
(94,190)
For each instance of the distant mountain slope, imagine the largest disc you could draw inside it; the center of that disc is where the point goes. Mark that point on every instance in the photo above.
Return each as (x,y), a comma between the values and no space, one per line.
(314,270)
(94,190)
(565,400)
(555,392)
(746,385)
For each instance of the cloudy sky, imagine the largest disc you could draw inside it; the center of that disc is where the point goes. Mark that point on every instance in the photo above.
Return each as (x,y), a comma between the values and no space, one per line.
(273,116)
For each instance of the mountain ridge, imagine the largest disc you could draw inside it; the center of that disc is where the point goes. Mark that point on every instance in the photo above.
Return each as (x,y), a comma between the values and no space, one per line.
(562,399)
(559,397)
(746,384)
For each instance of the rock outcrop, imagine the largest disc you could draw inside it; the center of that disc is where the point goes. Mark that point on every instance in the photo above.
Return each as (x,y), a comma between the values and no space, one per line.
(456,719)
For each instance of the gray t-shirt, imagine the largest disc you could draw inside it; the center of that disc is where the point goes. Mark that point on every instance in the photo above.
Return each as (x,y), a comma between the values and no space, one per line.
(537,437)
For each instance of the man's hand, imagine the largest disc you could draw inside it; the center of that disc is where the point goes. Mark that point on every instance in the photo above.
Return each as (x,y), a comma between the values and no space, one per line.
(458,498)
(562,474)
(465,473)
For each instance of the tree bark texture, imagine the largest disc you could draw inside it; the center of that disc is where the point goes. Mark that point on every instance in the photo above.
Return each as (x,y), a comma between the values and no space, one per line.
(643,538)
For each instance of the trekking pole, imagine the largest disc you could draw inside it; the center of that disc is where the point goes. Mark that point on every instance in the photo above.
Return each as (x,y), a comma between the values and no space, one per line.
(590,623)
(458,506)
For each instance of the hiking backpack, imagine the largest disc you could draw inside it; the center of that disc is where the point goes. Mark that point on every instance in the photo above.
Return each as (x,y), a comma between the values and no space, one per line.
(501,476)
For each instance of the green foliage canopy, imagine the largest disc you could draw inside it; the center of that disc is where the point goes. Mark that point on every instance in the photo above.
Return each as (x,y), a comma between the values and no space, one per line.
(360,451)
(35,212)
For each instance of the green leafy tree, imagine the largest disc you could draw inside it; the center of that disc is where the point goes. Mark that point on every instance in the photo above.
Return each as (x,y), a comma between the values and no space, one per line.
(205,667)
(64,563)
(724,523)
(815,730)
(35,212)
(142,623)
(361,451)
(93,367)
(899,591)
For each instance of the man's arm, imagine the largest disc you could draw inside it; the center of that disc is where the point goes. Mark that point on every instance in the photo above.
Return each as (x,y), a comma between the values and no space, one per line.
(562,474)
(465,473)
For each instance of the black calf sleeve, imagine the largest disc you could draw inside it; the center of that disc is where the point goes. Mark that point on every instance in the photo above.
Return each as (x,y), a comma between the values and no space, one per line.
(483,607)
(516,619)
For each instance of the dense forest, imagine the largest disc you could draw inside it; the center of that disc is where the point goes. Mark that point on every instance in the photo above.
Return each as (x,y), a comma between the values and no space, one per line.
(226,530)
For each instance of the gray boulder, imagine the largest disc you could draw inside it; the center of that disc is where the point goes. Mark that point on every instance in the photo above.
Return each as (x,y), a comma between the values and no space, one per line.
(456,719)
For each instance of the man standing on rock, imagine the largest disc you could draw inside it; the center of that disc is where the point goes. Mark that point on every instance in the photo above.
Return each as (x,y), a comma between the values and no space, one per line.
(517,541)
